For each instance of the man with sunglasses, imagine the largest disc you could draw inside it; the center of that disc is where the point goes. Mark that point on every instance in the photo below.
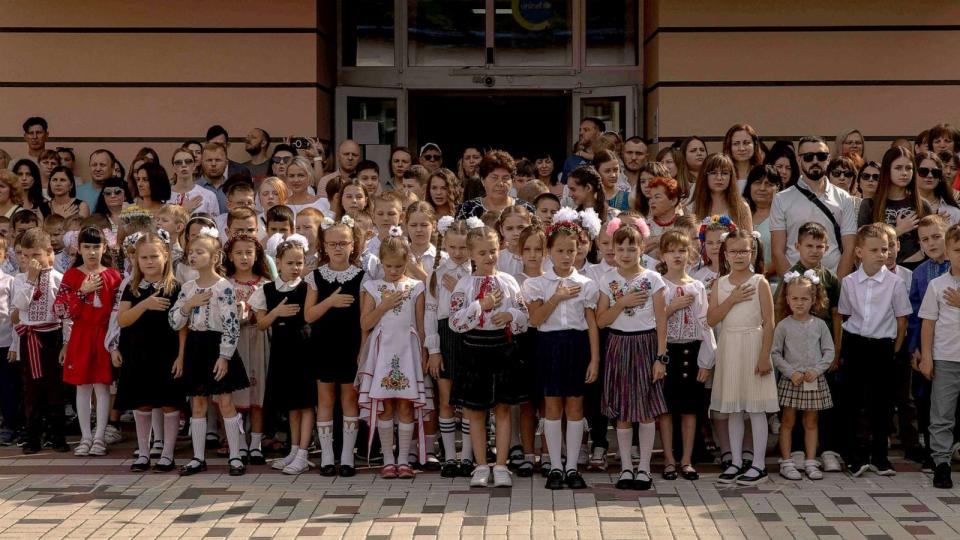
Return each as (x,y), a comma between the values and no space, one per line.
(813,199)
(431,157)
(348,157)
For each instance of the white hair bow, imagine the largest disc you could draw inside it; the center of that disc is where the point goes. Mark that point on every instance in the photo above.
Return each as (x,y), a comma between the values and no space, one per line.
(590,222)
(396,231)
(444,224)
(212,232)
(474,222)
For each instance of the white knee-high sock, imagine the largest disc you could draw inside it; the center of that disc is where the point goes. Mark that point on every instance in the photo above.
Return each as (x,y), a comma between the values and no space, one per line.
(103,410)
(232,426)
(171,424)
(256,440)
(351,424)
(448,436)
(198,432)
(143,419)
(325,436)
(404,438)
(385,431)
(574,438)
(735,423)
(156,424)
(466,443)
(646,435)
(553,431)
(84,405)
(758,425)
(624,436)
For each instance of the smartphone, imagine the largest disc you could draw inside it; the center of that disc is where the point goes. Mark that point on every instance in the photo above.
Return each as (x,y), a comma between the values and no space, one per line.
(300,143)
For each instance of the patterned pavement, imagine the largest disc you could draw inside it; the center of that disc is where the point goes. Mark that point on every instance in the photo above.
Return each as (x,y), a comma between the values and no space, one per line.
(53,495)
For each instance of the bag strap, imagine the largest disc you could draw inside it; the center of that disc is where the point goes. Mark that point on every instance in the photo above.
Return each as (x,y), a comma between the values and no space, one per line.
(826,211)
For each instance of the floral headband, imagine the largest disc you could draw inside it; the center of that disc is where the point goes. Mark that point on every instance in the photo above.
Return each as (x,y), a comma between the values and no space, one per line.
(572,222)
(809,274)
(716,219)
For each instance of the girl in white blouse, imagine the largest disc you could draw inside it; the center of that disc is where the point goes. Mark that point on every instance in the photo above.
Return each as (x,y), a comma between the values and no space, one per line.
(444,345)
(633,307)
(562,306)
(513,220)
(211,365)
(488,309)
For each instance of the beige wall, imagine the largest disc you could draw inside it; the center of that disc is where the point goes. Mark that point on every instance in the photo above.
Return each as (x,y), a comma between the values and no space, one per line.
(787,77)
(126,74)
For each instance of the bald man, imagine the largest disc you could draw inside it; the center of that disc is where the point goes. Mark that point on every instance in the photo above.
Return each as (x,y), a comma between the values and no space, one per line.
(348,156)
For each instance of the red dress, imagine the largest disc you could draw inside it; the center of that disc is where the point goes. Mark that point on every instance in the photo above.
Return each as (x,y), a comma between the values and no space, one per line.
(87,360)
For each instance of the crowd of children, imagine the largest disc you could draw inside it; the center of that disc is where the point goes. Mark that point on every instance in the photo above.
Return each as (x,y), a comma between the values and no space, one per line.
(414,326)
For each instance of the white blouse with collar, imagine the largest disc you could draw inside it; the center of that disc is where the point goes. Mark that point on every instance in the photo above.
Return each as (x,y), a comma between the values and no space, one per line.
(569,314)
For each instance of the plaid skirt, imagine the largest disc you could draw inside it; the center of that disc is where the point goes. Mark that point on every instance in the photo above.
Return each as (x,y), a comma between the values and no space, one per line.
(794,396)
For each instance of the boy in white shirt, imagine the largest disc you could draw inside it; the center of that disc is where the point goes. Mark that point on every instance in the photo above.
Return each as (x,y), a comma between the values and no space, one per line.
(875,305)
(940,357)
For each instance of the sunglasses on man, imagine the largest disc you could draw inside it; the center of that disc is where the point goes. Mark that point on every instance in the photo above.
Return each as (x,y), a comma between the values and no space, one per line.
(809,157)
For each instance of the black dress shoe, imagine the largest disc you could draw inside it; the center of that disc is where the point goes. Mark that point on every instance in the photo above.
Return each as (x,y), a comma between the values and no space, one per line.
(256,457)
(328,470)
(555,479)
(642,481)
(346,471)
(140,466)
(574,480)
(449,469)
(626,480)
(941,477)
(30,449)
(163,466)
(193,467)
(525,469)
(466,468)
(237,468)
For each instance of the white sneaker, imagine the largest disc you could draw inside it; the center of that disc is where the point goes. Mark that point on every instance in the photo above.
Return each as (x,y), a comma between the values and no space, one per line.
(798,458)
(83,449)
(481,476)
(112,435)
(282,463)
(831,461)
(812,468)
(598,459)
(298,466)
(501,477)
(788,470)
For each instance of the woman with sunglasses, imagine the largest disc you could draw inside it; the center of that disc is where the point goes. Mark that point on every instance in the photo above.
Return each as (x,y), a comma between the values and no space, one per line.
(282,155)
(841,171)
(868,180)
(934,190)
(898,204)
(185,191)
(113,198)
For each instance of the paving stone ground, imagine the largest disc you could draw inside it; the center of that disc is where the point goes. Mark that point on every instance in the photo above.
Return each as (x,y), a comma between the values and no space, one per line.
(51,495)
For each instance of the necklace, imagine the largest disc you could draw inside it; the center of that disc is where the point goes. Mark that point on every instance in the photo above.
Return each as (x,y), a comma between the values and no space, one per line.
(666,224)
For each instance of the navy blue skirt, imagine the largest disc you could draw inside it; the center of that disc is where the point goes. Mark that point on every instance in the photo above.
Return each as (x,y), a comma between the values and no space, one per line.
(451,348)
(562,360)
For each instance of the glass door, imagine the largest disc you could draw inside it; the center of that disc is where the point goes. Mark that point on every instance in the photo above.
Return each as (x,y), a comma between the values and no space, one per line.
(616,106)
(376,118)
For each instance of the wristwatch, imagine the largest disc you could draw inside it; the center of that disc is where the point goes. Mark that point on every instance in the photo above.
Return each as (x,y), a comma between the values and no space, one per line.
(663,359)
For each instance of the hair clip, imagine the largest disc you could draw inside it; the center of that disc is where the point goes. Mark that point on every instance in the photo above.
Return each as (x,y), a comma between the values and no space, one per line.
(444,224)
(590,222)
(396,232)
(474,222)
(812,276)
(348,221)
(212,232)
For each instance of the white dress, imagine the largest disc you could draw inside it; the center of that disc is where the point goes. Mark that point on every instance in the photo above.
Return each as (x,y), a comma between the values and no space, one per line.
(392,366)
(253,347)
(736,385)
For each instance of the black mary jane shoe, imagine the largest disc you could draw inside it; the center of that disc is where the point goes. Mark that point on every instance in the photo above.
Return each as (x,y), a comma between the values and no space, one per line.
(642,481)
(525,469)
(730,474)
(140,466)
(256,457)
(244,456)
(555,479)
(466,468)
(346,471)
(688,472)
(432,464)
(163,465)
(574,480)
(193,467)
(626,480)
(669,471)
(328,470)
(449,469)
(237,468)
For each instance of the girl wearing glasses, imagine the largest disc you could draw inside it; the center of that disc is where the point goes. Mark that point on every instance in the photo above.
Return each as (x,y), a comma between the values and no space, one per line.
(185,192)
(934,190)
(898,204)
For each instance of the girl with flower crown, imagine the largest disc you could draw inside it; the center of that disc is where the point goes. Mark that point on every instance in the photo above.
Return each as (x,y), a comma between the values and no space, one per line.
(802,352)
(333,309)
(290,383)
(207,306)
(390,378)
